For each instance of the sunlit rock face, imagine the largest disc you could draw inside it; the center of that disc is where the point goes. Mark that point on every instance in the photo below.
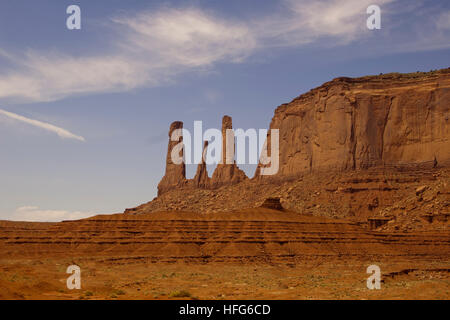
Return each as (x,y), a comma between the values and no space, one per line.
(346,124)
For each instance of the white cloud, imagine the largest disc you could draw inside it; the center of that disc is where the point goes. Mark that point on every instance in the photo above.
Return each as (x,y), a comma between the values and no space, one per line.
(151,48)
(187,38)
(34,214)
(51,77)
(63,133)
(308,21)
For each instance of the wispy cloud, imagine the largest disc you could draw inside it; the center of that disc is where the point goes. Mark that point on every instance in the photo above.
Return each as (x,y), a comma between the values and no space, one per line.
(48,77)
(150,50)
(63,133)
(153,47)
(303,22)
(186,37)
(34,214)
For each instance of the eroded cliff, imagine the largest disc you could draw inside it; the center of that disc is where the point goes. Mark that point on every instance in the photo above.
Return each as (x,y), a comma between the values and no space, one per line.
(387,120)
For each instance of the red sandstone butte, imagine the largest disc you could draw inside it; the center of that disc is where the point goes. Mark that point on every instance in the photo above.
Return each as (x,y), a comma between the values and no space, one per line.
(347,124)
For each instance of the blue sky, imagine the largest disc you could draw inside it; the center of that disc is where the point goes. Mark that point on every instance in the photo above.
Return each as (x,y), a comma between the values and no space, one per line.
(84,114)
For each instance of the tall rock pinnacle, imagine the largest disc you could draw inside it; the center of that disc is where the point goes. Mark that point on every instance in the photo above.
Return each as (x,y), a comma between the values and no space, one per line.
(175,173)
(227,141)
(201,178)
(227,172)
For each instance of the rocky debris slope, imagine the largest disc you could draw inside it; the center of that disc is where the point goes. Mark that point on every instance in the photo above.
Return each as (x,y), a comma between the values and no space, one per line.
(427,208)
(356,195)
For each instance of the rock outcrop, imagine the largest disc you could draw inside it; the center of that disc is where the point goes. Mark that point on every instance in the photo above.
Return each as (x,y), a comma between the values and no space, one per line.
(175,173)
(272,203)
(346,124)
(201,178)
(227,172)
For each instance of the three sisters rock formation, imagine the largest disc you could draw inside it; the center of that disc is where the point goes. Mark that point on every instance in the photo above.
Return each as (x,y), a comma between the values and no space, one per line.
(345,124)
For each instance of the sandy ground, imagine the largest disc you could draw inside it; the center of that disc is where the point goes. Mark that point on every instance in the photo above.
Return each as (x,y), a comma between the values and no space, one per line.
(312,279)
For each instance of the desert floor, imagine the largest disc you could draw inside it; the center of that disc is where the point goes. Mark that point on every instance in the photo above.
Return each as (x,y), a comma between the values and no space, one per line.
(259,254)
(309,279)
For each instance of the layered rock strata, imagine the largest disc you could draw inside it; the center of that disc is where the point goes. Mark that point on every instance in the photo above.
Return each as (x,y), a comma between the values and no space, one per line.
(348,124)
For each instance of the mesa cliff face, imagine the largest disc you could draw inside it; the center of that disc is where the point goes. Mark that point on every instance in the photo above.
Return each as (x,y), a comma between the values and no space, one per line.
(372,121)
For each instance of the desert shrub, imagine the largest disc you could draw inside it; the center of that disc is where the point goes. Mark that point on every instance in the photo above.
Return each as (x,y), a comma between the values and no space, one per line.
(180,294)
(119,292)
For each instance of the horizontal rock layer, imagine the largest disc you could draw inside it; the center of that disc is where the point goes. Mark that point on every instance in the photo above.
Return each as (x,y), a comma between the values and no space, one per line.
(253,235)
